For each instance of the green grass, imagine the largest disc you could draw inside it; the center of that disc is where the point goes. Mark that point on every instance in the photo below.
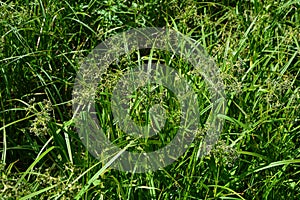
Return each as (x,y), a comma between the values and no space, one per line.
(254,43)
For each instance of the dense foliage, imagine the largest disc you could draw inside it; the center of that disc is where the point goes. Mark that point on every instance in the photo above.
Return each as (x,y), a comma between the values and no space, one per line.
(254,43)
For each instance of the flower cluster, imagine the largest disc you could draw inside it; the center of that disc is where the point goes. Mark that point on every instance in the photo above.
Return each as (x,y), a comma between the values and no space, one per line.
(39,125)
(224,154)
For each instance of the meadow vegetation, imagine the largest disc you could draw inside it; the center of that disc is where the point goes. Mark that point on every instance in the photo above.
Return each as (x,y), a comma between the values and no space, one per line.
(256,47)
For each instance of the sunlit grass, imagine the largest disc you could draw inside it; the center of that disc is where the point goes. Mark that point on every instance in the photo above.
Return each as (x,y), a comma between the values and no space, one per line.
(256,47)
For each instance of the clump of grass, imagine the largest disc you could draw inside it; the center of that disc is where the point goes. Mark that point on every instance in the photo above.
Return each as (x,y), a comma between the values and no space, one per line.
(256,46)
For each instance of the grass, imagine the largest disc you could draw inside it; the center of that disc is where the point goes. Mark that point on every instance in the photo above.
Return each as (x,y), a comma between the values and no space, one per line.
(254,43)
